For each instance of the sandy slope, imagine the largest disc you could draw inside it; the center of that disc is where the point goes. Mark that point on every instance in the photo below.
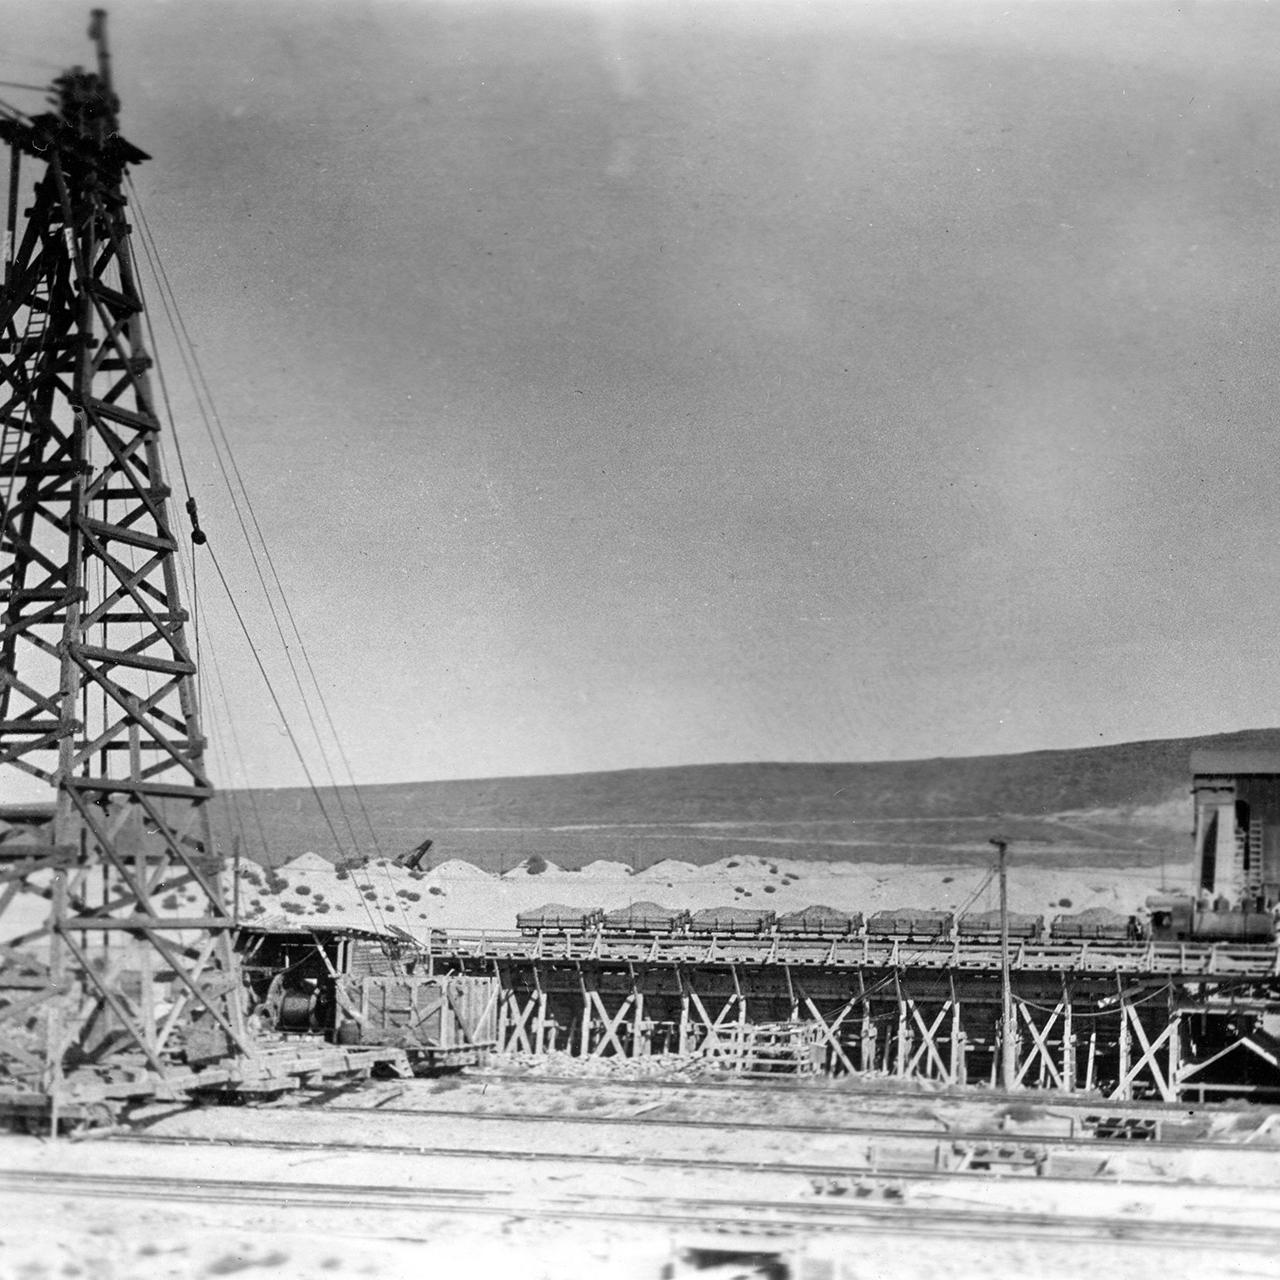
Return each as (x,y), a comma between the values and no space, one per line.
(458,896)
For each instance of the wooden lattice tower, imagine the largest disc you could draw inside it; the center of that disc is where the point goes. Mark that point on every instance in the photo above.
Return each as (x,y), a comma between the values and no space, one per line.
(97,679)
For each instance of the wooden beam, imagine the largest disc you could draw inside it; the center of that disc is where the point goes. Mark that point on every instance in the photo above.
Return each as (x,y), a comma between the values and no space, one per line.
(928,1048)
(611,1025)
(828,1029)
(1040,1054)
(1068,1037)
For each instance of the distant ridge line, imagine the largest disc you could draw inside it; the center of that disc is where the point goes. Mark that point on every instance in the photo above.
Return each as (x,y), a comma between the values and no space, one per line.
(800,796)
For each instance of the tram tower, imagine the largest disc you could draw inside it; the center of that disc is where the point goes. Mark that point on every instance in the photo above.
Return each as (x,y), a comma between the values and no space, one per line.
(104,795)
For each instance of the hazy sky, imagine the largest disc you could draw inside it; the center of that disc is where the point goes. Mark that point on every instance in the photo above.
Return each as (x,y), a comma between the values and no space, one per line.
(629,384)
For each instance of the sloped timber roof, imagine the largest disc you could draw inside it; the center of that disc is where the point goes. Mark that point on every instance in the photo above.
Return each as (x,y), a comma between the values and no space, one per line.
(291,924)
(1256,1042)
(1208,760)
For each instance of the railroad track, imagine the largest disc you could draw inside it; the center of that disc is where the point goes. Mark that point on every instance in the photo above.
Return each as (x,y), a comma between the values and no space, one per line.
(823,1172)
(920,1156)
(941,1133)
(974,1095)
(764,1218)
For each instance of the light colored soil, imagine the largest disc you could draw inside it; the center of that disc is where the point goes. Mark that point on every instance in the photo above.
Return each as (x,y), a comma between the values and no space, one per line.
(459,896)
(45,1237)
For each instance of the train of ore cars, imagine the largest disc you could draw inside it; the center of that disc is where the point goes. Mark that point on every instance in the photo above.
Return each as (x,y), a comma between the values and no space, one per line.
(1166,918)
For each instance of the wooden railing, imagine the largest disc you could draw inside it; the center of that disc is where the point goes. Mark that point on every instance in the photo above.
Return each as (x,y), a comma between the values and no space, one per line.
(1215,959)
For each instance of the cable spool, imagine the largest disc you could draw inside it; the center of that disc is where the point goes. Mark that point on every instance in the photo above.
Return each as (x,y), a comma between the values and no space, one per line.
(349,1032)
(295,1011)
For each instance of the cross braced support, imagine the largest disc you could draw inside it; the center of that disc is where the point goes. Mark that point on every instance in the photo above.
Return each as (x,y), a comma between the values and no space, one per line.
(89,590)
(1040,1055)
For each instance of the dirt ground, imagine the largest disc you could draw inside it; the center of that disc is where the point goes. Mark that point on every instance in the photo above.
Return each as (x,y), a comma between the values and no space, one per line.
(103,1237)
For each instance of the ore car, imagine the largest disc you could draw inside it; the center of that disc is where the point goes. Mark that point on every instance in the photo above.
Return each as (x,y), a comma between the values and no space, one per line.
(912,923)
(984,926)
(732,922)
(646,917)
(818,921)
(1099,924)
(556,918)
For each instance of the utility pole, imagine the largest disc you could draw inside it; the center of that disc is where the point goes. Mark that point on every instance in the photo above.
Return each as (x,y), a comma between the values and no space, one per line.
(1008,1066)
(235,879)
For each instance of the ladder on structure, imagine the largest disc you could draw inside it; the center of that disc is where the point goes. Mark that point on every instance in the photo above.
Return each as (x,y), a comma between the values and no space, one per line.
(14,429)
(1252,878)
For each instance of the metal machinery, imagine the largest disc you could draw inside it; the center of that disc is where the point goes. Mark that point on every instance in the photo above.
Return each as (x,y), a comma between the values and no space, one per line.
(104,794)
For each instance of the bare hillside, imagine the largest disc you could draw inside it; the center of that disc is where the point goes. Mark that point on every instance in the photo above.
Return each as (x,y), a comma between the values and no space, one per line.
(1069,807)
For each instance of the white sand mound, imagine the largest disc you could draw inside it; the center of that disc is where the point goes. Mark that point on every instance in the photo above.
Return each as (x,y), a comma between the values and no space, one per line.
(602,869)
(306,862)
(671,869)
(467,897)
(456,869)
(544,868)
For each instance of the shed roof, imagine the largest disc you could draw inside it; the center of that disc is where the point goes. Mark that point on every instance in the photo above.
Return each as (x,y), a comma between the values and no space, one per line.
(291,924)
(1206,760)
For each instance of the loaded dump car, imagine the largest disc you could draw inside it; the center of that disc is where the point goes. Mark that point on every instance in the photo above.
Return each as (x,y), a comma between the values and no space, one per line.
(1093,924)
(555,918)
(729,922)
(819,921)
(912,923)
(985,926)
(646,917)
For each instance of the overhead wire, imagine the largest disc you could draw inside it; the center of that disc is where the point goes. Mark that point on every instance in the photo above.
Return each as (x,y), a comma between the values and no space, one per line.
(238,492)
(920,952)
(188,568)
(244,627)
(150,252)
(14,113)
(213,421)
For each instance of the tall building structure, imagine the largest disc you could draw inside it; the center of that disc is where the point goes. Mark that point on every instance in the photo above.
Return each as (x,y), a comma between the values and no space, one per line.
(1237,824)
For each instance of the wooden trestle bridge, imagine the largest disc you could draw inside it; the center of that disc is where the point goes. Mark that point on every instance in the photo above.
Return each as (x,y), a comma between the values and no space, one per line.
(102,768)
(1163,1020)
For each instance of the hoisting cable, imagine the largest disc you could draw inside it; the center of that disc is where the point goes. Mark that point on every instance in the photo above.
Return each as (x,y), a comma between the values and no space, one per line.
(233,794)
(205,658)
(919,953)
(199,538)
(200,385)
(162,275)
(226,586)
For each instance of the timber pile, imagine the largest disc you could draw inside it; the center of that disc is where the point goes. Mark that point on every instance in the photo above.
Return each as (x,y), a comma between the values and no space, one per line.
(666,1066)
(767,1049)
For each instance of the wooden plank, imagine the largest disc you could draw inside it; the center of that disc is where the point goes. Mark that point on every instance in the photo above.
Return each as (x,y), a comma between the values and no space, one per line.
(130,786)
(142,924)
(928,1047)
(109,532)
(120,415)
(126,658)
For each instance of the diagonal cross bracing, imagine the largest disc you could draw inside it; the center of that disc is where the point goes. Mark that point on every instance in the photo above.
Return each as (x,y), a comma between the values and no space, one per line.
(97,680)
